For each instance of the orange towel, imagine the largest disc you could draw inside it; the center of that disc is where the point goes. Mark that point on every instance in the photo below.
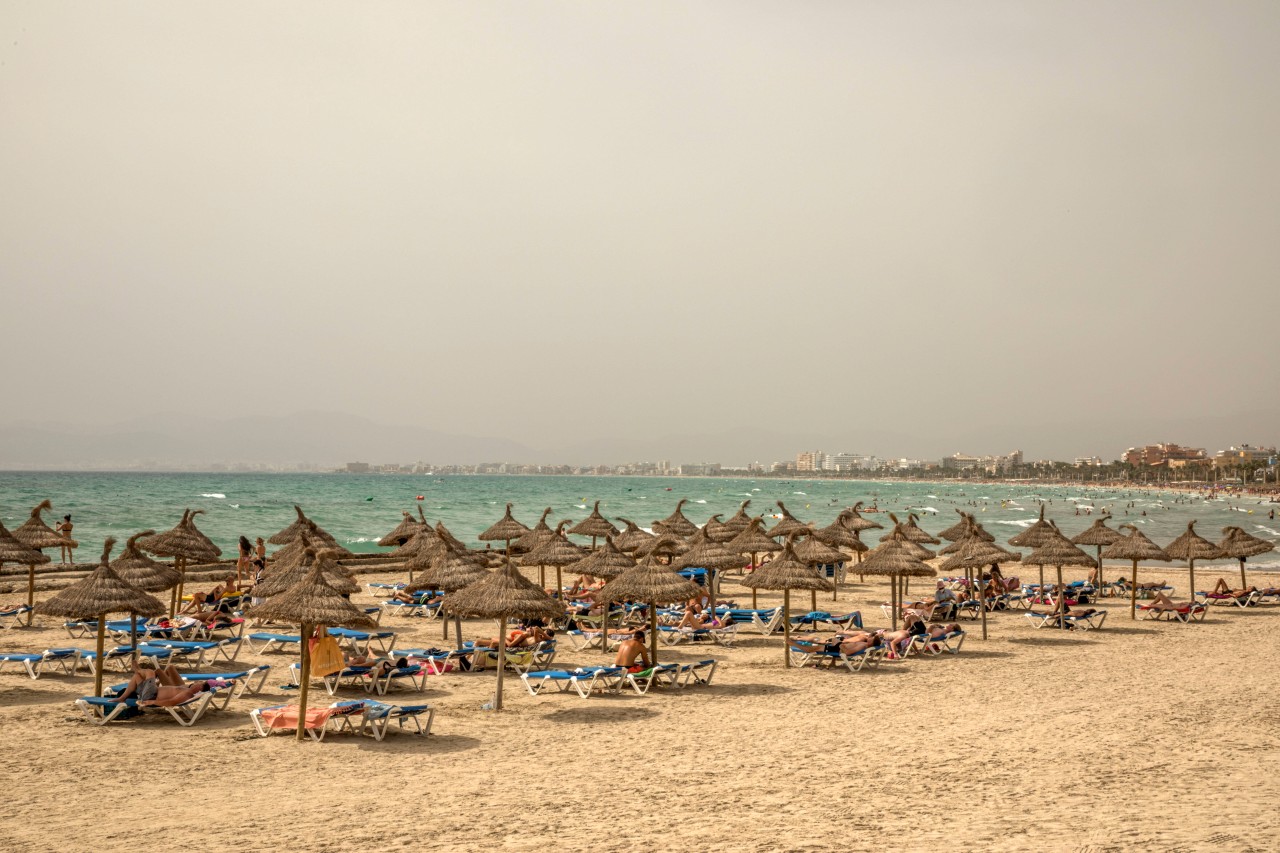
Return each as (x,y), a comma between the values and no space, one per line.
(287,717)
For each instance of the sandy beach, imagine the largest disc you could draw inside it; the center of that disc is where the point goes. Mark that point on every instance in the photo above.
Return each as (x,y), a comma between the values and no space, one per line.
(1143,735)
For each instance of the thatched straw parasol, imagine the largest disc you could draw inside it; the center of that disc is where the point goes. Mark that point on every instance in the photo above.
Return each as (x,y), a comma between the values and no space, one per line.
(101,592)
(34,533)
(423,538)
(1058,551)
(1136,546)
(448,573)
(13,551)
(1240,545)
(896,560)
(706,553)
(815,552)
(666,545)
(402,533)
(506,529)
(754,541)
(838,535)
(183,545)
(676,522)
(633,538)
(911,531)
(500,595)
(1035,535)
(445,534)
(556,551)
(739,520)
(290,533)
(1100,535)
(963,528)
(855,522)
(309,603)
(279,581)
(540,533)
(717,531)
(137,569)
(788,524)
(594,525)
(654,584)
(1191,546)
(787,572)
(974,552)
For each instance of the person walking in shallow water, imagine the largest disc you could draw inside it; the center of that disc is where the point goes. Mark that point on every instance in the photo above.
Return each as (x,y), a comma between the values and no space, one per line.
(63,528)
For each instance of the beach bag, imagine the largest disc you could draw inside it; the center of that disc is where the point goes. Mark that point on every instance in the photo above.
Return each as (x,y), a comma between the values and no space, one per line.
(326,656)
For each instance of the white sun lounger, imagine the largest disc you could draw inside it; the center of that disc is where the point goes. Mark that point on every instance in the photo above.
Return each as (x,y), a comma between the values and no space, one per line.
(65,660)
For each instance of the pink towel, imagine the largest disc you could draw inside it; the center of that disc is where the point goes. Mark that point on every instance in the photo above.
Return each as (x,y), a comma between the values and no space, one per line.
(287,717)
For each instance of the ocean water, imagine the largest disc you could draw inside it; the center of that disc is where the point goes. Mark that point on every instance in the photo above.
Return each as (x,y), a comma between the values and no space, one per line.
(360,509)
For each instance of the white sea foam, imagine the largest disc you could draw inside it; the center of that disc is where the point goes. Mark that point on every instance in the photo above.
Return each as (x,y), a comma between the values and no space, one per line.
(798,493)
(234,506)
(212,495)
(1022,522)
(699,502)
(362,539)
(1266,529)
(925,509)
(581,506)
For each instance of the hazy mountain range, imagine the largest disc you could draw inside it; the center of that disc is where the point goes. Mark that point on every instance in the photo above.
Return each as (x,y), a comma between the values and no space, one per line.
(330,438)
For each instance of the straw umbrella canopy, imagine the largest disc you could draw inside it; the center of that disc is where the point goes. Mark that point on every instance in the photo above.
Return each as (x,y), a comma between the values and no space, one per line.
(1191,546)
(1136,546)
(789,571)
(34,533)
(717,531)
(974,552)
(653,583)
(423,538)
(182,545)
(855,522)
(290,533)
(13,551)
(788,524)
(1100,535)
(445,534)
(739,520)
(706,553)
(1241,545)
(594,525)
(633,538)
(912,531)
(205,540)
(815,552)
(137,569)
(677,523)
(1058,551)
(666,545)
(540,533)
(754,541)
(506,529)
(311,602)
(501,594)
(963,528)
(1035,535)
(838,535)
(449,573)
(293,553)
(282,580)
(101,592)
(402,533)
(556,551)
(895,560)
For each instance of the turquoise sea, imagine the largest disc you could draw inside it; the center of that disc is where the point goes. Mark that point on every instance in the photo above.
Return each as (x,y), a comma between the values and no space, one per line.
(360,509)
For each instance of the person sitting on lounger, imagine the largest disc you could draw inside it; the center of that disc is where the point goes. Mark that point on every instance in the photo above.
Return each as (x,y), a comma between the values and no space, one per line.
(213,598)
(584,587)
(632,654)
(1223,588)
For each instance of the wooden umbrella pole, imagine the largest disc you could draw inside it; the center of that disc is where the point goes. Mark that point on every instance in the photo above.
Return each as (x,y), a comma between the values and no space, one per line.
(982,604)
(97,670)
(711,590)
(444,622)
(1243,585)
(604,629)
(31,590)
(502,663)
(559,584)
(1191,565)
(893,600)
(457,630)
(653,633)
(301,731)
(133,636)
(1133,592)
(813,600)
(542,577)
(753,589)
(786,625)
(1062,602)
(1099,584)
(835,583)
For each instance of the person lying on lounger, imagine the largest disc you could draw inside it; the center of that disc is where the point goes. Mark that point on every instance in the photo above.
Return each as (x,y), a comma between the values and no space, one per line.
(415,597)
(698,620)
(1162,602)
(161,686)
(851,645)
(523,636)
(632,654)
(584,587)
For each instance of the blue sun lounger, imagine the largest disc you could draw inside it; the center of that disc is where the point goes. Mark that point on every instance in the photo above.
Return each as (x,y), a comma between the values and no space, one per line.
(377,718)
(194,652)
(12,617)
(584,680)
(65,660)
(361,641)
(103,709)
(802,656)
(814,618)
(264,642)
(122,657)
(414,675)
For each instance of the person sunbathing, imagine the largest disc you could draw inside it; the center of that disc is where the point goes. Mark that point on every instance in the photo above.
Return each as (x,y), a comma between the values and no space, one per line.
(696,620)
(1162,602)
(1223,588)
(424,598)
(160,687)
(522,637)
(584,587)
(851,645)
(632,654)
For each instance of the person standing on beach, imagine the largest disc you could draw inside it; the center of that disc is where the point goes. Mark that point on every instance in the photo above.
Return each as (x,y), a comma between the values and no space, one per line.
(242,562)
(63,528)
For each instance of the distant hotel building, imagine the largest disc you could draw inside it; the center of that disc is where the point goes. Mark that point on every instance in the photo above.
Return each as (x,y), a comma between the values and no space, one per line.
(1167,455)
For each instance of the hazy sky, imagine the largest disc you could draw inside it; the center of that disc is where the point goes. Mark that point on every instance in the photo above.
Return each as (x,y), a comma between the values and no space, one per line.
(539,220)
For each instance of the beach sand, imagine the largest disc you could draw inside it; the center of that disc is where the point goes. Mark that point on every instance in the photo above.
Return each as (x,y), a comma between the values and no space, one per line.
(1144,735)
